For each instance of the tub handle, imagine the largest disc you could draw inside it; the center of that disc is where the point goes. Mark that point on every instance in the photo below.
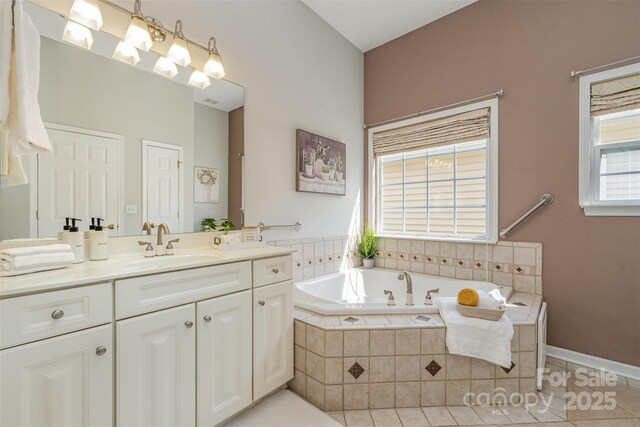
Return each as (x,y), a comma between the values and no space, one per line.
(392,300)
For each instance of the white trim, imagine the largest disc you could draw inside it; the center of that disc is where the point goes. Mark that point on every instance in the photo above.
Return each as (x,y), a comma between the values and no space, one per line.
(180,149)
(491,173)
(594,362)
(586,185)
(33,175)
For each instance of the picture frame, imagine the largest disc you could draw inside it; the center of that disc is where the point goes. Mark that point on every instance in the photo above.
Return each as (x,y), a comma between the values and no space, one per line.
(206,185)
(320,164)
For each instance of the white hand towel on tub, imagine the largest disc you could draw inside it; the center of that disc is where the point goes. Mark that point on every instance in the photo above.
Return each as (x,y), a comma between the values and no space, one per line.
(483,339)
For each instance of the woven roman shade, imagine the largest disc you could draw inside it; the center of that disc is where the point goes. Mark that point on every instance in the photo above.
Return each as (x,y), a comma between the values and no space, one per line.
(469,126)
(610,96)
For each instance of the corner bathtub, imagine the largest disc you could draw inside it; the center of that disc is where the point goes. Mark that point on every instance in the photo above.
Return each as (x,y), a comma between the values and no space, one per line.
(362,291)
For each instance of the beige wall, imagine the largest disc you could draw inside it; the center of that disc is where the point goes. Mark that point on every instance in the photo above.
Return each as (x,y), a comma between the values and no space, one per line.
(591,271)
(236,146)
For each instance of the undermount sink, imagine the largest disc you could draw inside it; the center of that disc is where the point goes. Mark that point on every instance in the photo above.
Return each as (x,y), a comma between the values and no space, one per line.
(171,260)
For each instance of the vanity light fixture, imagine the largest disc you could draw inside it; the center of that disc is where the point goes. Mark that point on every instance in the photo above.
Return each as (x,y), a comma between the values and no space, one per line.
(87,13)
(77,34)
(199,79)
(165,67)
(126,53)
(138,32)
(213,67)
(179,50)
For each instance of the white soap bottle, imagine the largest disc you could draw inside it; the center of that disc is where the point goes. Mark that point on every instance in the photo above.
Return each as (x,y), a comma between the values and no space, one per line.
(98,242)
(65,229)
(75,239)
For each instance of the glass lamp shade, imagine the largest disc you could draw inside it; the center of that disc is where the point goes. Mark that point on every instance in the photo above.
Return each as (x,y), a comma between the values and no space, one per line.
(138,34)
(77,34)
(126,53)
(165,67)
(199,79)
(87,13)
(213,67)
(179,52)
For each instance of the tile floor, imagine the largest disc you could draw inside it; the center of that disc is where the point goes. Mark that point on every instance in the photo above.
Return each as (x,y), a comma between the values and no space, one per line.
(626,412)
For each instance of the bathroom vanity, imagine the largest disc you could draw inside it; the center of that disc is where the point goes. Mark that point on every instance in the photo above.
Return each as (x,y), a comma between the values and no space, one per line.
(133,342)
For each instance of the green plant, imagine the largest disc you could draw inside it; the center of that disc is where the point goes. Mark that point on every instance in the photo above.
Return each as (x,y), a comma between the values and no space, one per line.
(326,169)
(209,222)
(227,226)
(368,246)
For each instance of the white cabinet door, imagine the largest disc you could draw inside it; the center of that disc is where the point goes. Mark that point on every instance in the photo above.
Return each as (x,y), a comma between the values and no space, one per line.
(272,337)
(156,373)
(63,381)
(224,357)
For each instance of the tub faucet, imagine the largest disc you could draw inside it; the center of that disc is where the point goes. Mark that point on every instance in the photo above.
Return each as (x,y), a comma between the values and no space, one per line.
(428,300)
(405,276)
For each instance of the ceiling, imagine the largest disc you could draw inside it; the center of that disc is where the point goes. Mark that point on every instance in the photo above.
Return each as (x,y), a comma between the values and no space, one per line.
(371,23)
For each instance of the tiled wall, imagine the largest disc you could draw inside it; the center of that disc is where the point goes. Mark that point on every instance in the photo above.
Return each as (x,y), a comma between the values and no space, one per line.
(514,264)
(367,369)
(319,256)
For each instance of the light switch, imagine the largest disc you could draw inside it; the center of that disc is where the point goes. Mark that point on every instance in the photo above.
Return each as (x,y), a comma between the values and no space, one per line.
(131,209)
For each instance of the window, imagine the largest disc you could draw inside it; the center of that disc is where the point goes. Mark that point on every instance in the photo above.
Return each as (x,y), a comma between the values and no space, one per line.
(436,177)
(610,142)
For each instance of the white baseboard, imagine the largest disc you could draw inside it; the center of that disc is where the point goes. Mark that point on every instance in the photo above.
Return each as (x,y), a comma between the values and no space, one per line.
(617,368)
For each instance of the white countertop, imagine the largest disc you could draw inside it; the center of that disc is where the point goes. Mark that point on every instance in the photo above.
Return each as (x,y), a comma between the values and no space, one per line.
(122,266)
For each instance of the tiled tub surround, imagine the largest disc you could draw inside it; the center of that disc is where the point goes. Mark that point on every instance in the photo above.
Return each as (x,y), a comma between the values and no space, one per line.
(397,361)
(514,264)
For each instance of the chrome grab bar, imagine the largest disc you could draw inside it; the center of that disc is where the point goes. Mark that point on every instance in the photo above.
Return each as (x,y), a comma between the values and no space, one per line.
(296,226)
(544,200)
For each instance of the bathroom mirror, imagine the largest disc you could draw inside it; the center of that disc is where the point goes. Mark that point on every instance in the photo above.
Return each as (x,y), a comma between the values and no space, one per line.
(130,146)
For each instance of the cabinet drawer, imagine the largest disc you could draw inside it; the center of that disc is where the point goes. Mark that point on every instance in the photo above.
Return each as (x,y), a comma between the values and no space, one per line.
(34,317)
(150,293)
(272,270)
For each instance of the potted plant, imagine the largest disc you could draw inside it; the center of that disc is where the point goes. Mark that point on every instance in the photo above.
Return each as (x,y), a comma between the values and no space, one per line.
(368,246)
(209,224)
(324,174)
(309,159)
(227,226)
(339,168)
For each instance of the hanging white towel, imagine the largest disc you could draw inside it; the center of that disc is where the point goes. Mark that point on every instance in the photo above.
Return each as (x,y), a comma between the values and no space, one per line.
(5,58)
(483,339)
(27,134)
(10,164)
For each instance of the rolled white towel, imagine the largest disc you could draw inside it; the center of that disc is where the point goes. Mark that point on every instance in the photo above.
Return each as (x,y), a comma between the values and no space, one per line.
(38,261)
(36,250)
(492,300)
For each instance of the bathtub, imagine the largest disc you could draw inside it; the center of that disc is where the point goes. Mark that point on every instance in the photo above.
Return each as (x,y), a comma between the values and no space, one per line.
(361,291)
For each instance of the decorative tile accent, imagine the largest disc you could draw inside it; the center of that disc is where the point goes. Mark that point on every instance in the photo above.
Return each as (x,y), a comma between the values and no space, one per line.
(423,318)
(356,370)
(433,368)
(519,304)
(351,319)
(507,370)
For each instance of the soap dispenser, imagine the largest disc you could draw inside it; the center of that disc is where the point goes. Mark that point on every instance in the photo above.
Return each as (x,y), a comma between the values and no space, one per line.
(65,229)
(76,240)
(98,242)
(91,228)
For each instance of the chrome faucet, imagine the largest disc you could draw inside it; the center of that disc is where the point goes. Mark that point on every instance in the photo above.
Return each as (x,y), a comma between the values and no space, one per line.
(147,226)
(162,227)
(405,276)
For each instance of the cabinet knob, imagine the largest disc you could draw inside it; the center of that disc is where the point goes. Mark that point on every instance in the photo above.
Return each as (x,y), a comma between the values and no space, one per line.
(207,318)
(57,314)
(188,323)
(276,270)
(261,302)
(101,350)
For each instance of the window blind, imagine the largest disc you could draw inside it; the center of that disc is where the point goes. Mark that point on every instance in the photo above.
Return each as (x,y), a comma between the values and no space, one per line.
(611,96)
(468,126)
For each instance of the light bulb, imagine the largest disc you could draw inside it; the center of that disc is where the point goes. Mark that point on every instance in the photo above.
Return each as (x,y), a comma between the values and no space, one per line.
(138,34)
(126,53)
(179,52)
(165,67)
(87,13)
(78,35)
(199,79)
(213,67)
